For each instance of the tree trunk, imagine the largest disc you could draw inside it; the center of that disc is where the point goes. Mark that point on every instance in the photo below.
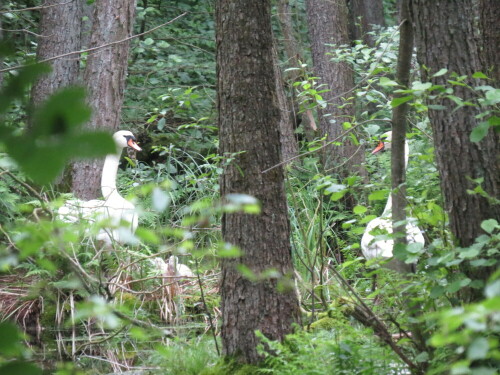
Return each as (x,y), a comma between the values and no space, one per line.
(363,14)
(489,13)
(452,45)
(289,147)
(249,121)
(60,29)
(398,168)
(295,59)
(1,57)
(328,25)
(105,79)
(87,12)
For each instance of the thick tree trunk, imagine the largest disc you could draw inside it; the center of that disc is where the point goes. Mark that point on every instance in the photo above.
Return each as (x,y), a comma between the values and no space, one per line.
(363,14)
(328,25)
(452,45)
(87,12)
(249,121)
(105,79)
(60,29)
(489,13)
(398,168)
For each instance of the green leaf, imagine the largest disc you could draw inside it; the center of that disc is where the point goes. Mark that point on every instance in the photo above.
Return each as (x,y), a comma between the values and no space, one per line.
(359,210)
(478,349)
(419,86)
(17,84)
(367,219)
(440,72)
(19,367)
(493,96)
(336,196)
(55,137)
(148,41)
(493,289)
(422,357)
(335,188)
(479,75)
(457,285)
(468,253)
(415,247)
(494,121)
(147,235)
(160,199)
(10,339)
(479,132)
(378,195)
(489,225)
(61,114)
(161,123)
(437,291)
(384,81)
(398,101)
(227,250)
(246,272)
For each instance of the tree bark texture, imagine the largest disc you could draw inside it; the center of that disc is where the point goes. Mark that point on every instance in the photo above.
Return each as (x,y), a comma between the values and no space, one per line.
(60,32)
(249,122)
(290,43)
(289,146)
(1,64)
(295,59)
(489,16)
(363,14)
(105,80)
(328,24)
(398,168)
(445,39)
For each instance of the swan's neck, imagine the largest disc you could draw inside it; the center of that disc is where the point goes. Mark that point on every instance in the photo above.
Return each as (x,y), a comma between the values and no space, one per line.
(388,205)
(108,179)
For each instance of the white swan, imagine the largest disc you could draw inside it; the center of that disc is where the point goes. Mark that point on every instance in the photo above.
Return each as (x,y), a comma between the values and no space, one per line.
(115,209)
(370,245)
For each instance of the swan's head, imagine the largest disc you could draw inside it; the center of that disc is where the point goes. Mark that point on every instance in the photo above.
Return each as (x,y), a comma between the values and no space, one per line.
(125,138)
(384,143)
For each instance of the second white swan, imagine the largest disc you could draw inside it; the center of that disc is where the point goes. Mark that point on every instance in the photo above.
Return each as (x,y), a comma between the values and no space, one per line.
(370,245)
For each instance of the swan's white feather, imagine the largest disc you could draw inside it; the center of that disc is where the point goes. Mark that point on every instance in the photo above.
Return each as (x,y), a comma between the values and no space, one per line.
(118,213)
(373,247)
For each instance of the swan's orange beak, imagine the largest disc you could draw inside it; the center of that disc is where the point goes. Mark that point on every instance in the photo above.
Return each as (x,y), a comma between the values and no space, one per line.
(131,143)
(379,147)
